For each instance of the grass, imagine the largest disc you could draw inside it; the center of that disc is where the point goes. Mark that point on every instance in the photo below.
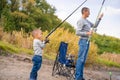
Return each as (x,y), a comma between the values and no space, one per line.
(13,49)
(20,42)
(8,47)
(17,50)
(111,57)
(48,56)
(107,63)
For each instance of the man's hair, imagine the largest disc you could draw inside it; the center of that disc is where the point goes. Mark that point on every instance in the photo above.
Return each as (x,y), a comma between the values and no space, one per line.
(84,9)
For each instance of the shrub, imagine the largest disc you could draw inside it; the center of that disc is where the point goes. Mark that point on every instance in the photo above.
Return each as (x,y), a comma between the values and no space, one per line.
(21,39)
(92,56)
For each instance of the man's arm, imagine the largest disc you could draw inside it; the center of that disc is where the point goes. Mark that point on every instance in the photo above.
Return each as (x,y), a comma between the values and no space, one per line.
(98,21)
(79,29)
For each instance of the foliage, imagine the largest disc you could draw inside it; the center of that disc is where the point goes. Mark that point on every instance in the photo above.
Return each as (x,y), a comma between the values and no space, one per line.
(62,35)
(107,63)
(23,40)
(18,38)
(28,15)
(20,16)
(19,41)
(111,57)
(13,49)
(106,43)
(3,4)
(92,57)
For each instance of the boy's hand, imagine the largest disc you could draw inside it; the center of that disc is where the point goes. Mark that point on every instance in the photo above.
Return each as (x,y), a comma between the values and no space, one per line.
(46,41)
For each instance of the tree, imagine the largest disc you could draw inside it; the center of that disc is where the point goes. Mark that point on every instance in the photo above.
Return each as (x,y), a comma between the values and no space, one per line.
(45,7)
(30,14)
(14,5)
(3,4)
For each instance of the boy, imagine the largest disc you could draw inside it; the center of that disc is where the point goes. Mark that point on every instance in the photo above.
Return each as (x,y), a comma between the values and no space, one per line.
(38,46)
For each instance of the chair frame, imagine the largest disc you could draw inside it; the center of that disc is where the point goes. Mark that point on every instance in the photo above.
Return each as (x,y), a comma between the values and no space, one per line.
(63,69)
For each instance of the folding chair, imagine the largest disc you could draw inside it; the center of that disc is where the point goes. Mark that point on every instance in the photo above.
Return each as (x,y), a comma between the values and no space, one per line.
(64,65)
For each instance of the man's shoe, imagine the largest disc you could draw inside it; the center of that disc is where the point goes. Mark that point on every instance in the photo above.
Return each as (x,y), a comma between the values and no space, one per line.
(83,79)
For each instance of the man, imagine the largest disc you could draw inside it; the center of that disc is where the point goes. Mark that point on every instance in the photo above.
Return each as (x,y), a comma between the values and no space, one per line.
(84,31)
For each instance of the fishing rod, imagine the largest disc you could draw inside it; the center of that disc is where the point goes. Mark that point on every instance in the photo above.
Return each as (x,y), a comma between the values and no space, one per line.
(64,20)
(96,19)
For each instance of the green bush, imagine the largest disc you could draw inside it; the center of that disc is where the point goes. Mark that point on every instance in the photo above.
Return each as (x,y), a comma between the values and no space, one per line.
(106,43)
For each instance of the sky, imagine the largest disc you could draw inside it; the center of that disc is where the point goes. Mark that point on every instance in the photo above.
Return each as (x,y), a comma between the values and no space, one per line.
(110,23)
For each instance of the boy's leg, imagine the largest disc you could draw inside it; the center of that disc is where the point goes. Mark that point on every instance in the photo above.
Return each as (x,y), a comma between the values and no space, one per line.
(37,61)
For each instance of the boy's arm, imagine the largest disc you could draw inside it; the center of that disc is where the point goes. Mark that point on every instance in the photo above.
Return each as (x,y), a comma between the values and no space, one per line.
(41,44)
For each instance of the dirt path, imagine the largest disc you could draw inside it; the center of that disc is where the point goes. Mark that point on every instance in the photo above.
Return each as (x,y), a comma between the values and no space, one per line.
(13,68)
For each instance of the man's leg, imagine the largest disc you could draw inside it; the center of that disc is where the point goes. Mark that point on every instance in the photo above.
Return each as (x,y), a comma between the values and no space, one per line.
(85,57)
(83,50)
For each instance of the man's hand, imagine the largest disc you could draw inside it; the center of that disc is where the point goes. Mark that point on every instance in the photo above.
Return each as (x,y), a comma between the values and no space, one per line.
(89,33)
(101,15)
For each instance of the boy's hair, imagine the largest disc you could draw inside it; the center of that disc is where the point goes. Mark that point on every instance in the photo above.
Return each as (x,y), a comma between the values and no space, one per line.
(84,9)
(34,32)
